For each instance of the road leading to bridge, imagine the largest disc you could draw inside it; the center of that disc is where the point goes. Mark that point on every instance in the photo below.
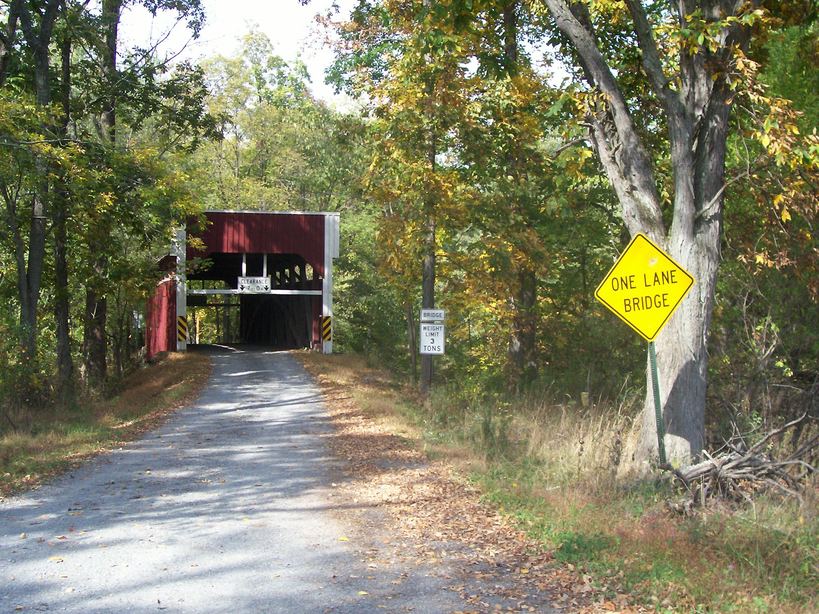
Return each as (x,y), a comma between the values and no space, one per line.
(226,508)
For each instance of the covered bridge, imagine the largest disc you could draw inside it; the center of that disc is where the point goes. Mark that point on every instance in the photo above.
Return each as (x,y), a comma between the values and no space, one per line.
(275,268)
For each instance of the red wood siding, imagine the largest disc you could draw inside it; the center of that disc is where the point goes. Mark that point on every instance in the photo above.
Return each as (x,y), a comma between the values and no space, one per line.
(160,329)
(263,233)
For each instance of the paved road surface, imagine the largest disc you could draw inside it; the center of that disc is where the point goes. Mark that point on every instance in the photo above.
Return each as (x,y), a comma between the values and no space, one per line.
(224,509)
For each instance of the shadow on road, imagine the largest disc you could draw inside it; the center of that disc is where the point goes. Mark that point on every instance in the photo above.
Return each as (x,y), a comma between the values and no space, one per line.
(223,508)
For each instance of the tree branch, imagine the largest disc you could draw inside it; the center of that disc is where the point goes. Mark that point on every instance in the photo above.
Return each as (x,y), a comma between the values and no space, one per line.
(630,169)
(651,58)
(569,145)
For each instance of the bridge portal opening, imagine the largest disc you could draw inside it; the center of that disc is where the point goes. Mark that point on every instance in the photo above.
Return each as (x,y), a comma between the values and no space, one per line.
(250,277)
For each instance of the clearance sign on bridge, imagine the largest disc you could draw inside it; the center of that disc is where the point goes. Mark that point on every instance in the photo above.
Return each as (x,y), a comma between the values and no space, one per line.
(644,287)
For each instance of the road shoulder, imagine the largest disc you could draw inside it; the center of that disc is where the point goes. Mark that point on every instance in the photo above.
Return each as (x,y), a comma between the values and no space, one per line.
(432,516)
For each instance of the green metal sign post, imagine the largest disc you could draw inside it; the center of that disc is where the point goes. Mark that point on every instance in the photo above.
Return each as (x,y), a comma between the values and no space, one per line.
(658,406)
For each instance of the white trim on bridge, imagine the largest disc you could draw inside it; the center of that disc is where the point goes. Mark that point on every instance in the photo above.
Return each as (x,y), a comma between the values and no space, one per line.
(207,292)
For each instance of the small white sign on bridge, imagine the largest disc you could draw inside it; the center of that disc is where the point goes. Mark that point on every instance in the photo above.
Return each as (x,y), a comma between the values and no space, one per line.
(254,285)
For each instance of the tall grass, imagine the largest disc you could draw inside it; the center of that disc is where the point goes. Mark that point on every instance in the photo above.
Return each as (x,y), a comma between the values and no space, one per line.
(568,442)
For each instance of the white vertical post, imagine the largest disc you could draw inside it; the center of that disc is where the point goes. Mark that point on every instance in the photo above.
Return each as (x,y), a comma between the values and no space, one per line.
(331,247)
(244,265)
(181,288)
(264,265)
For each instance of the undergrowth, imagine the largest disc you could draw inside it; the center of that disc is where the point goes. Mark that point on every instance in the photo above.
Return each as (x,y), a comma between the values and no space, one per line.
(52,441)
(552,467)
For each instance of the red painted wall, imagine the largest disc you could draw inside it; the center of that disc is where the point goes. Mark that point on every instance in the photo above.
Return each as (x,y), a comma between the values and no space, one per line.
(160,329)
(263,233)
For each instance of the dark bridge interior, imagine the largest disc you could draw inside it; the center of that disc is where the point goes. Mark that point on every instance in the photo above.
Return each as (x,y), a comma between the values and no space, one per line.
(282,319)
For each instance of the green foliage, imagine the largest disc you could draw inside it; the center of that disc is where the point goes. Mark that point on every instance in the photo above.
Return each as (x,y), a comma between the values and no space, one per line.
(765,362)
(111,189)
(582,547)
(282,150)
(369,312)
(455,131)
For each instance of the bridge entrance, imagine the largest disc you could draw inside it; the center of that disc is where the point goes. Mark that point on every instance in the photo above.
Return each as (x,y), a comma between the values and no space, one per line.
(263,278)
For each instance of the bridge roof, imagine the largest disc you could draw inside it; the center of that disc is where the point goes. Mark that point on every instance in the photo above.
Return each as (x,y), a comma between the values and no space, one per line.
(262,232)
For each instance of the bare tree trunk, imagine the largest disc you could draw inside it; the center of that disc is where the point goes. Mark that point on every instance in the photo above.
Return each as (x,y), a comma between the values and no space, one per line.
(697,112)
(38,38)
(428,272)
(65,365)
(428,300)
(412,339)
(95,338)
(522,347)
(95,346)
(8,37)
(522,344)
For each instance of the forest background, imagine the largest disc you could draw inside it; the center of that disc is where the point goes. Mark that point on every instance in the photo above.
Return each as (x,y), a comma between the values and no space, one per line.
(471,153)
(470,176)
(105,148)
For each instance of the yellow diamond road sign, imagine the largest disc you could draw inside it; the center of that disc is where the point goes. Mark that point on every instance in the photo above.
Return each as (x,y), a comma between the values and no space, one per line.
(644,287)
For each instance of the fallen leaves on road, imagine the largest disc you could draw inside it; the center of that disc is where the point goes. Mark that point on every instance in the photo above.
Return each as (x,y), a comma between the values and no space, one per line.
(438,519)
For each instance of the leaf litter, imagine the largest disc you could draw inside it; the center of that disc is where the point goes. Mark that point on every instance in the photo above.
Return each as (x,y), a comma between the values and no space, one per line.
(435,519)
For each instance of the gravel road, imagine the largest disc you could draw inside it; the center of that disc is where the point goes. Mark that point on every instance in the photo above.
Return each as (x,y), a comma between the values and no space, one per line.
(226,508)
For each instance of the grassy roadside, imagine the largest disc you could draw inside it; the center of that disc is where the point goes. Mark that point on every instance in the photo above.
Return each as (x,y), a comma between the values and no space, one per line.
(53,442)
(547,468)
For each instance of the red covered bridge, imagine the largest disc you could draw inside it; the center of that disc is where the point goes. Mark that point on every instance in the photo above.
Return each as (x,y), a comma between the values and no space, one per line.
(268,273)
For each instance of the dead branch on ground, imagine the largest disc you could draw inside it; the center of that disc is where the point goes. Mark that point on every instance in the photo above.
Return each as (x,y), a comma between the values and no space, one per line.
(738,472)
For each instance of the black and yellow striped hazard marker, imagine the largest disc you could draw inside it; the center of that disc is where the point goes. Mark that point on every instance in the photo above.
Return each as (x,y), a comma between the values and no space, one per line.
(327,328)
(181,328)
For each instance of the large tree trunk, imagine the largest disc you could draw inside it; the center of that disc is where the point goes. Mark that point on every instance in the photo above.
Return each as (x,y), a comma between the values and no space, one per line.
(524,334)
(694,243)
(696,103)
(682,362)
(95,345)
(38,38)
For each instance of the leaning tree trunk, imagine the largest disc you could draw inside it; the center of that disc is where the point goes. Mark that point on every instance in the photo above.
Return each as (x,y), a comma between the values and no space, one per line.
(696,106)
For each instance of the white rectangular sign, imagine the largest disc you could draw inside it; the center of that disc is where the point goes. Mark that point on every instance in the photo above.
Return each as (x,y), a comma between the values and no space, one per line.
(432,338)
(432,315)
(253,285)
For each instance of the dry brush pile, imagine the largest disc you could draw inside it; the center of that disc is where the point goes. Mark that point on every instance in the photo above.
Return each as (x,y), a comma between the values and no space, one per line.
(739,471)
